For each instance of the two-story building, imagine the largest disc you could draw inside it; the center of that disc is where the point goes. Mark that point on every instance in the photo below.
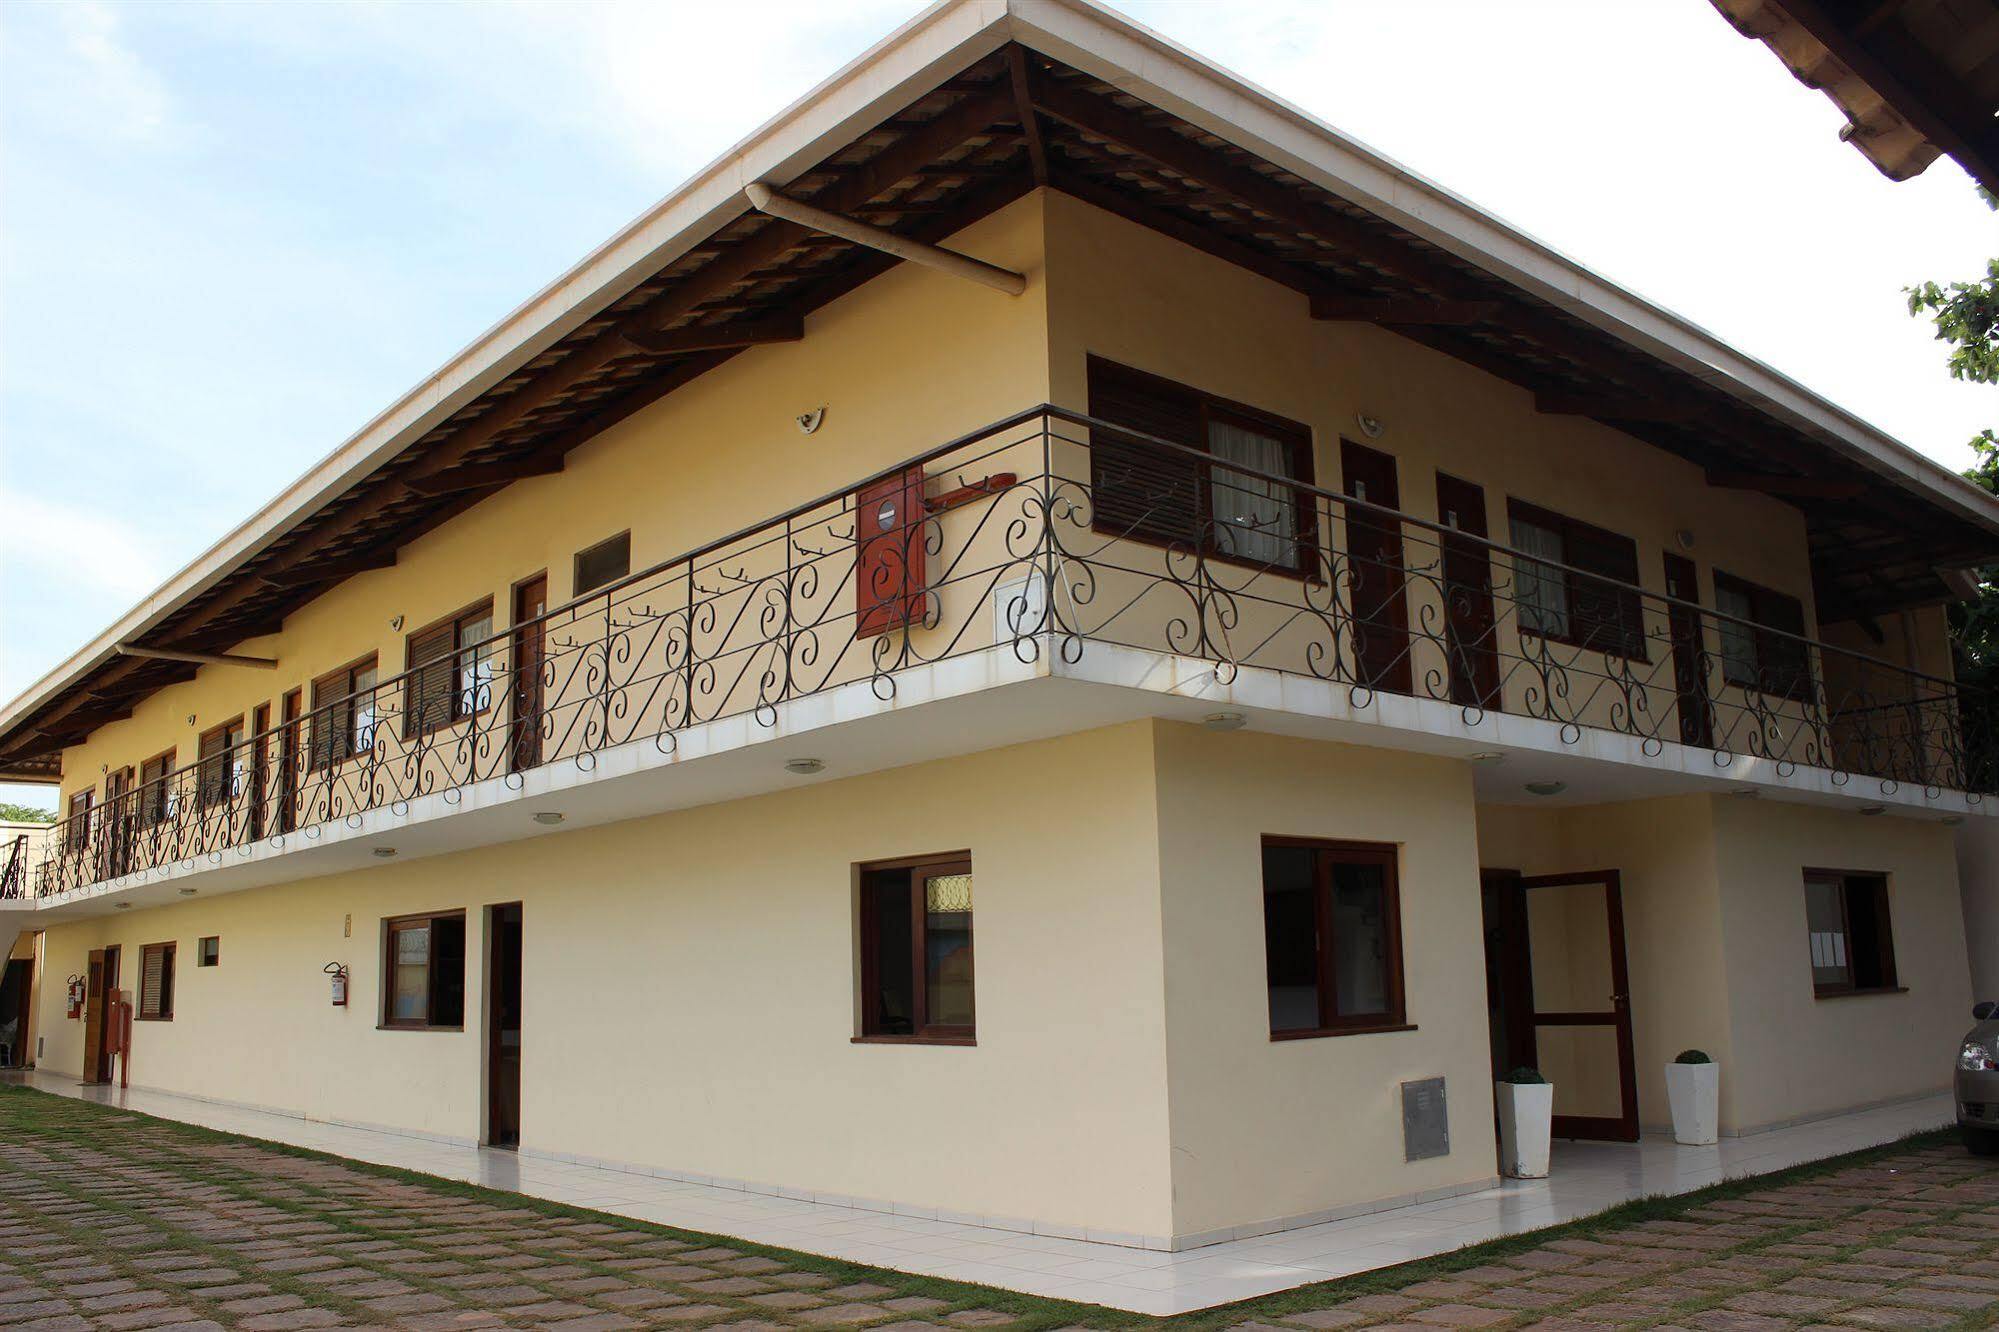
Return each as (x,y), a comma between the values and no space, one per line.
(1050,639)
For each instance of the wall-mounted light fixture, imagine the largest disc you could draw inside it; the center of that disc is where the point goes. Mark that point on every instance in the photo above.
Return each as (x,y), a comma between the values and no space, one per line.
(1371,426)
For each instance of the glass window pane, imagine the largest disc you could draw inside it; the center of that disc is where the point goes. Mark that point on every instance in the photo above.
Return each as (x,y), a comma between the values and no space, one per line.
(1253,517)
(1825,919)
(1291,937)
(409,1001)
(475,666)
(947,934)
(892,1007)
(1541,592)
(1360,940)
(364,710)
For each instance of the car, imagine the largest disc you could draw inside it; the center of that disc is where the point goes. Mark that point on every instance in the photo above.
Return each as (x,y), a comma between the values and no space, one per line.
(1978,1082)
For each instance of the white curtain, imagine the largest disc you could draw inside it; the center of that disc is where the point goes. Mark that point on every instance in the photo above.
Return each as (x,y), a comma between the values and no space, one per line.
(1542,592)
(1254,518)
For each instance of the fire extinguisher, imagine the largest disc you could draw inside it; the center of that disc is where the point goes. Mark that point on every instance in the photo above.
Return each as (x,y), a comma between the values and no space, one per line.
(339,974)
(76,993)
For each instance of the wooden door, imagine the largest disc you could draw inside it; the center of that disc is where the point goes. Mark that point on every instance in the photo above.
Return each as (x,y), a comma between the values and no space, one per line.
(260,769)
(120,824)
(503,1025)
(1468,616)
(1375,571)
(1581,1001)
(1689,680)
(889,533)
(93,1017)
(530,659)
(290,746)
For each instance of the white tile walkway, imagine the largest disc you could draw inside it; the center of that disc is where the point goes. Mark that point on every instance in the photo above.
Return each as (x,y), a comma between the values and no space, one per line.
(1588,1177)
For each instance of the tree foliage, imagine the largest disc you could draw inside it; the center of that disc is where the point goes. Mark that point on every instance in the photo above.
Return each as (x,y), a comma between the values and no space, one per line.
(1966,315)
(12,813)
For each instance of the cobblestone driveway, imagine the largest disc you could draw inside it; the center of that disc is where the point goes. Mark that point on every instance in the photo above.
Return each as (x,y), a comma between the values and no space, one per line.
(115,1221)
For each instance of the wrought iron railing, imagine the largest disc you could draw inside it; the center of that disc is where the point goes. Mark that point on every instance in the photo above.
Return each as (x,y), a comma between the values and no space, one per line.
(1047,532)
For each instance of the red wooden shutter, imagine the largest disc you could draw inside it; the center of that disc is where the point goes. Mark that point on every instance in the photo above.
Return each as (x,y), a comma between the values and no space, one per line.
(889,565)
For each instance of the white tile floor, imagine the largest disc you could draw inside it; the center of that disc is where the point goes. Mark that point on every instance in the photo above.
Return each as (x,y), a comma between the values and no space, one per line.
(1588,1177)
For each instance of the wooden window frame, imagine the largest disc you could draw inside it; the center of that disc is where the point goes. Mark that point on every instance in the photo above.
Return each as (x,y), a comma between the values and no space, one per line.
(390,925)
(1637,648)
(1803,685)
(413,712)
(320,713)
(577,589)
(202,956)
(1330,851)
(1210,407)
(925,1032)
(168,974)
(79,826)
(1884,943)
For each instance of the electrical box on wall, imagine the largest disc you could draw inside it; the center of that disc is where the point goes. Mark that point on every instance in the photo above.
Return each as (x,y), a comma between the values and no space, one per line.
(1426,1121)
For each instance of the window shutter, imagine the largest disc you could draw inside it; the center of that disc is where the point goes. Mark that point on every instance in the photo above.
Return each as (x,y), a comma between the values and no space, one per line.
(1785,663)
(156,982)
(432,679)
(1607,618)
(214,767)
(331,726)
(1136,489)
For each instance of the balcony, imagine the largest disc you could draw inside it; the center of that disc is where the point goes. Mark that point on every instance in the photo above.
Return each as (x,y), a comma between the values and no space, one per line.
(1038,541)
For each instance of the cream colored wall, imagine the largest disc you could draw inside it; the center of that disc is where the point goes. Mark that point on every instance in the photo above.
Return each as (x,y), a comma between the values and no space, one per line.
(1813,1055)
(908,361)
(1663,851)
(1127,293)
(689,992)
(1268,1129)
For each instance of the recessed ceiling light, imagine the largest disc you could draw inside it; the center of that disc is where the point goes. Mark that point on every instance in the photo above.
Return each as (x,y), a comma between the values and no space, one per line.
(548,816)
(1487,756)
(122,906)
(1546,788)
(1870,811)
(805,767)
(383,852)
(187,892)
(1746,793)
(1225,721)
(1952,820)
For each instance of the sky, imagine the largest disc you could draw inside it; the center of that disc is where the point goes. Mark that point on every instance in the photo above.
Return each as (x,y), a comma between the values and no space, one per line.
(230,234)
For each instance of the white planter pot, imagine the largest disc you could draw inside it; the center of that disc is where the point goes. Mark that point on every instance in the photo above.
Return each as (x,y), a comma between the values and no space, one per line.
(1695,1093)
(1526,1114)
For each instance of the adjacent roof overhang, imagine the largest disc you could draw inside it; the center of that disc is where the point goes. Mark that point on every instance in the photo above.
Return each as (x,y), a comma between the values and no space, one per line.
(1916,78)
(967,107)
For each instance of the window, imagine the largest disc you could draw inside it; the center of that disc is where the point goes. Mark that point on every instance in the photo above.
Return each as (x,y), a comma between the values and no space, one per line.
(605,562)
(208,952)
(1575,608)
(1155,494)
(78,826)
(223,762)
(423,978)
(343,716)
(158,792)
(1846,919)
(156,983)
(1332,937)
(451,669)
(916,950)
(1763,654)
